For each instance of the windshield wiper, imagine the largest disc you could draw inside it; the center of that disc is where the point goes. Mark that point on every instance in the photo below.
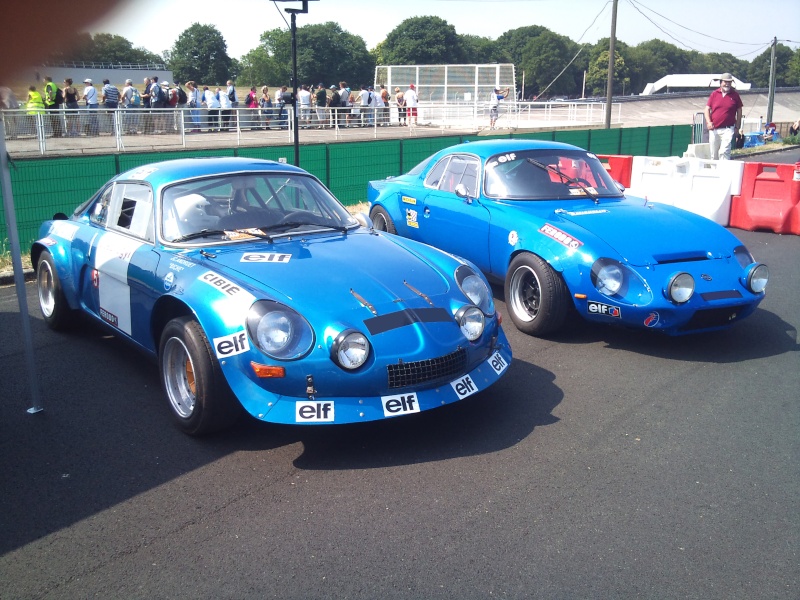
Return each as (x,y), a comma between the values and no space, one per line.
(566,179)
(198,234)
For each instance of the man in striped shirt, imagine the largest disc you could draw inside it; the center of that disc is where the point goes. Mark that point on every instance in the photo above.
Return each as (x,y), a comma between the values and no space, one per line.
(110,94)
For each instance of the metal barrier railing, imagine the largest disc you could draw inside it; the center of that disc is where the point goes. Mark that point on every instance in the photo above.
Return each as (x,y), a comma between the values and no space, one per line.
(90,130)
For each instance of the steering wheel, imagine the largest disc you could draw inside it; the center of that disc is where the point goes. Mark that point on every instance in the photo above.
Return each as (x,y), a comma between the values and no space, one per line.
(582,181)
(296,215)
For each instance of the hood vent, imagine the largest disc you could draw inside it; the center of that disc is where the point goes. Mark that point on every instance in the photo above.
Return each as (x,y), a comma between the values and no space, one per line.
(680,257)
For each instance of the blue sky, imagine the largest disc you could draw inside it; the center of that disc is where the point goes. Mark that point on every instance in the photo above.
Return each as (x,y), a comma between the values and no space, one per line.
(742,27)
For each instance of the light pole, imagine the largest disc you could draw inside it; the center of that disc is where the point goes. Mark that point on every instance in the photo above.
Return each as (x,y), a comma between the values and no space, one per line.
(295,121)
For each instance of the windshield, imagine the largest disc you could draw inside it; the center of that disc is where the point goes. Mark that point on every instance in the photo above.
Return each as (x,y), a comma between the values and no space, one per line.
(512,175)
(237,206)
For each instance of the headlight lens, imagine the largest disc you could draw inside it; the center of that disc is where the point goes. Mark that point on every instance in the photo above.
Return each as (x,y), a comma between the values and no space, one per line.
(278,331)
(757,278)
(609,279)
(475,289)
(680,288)
(471,321)
(743,256)
(350,349)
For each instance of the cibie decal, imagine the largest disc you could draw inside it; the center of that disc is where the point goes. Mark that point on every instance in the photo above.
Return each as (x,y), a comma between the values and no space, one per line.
(609,310)
(169,281)
(408,200)
(232,344)
(402,404)
(411,218)
(652,319)
(222,284)
(314,412)
(513,238)
(265,257)
(561,237)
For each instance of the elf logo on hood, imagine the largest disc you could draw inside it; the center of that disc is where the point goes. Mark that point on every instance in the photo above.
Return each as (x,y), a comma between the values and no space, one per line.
(561,237)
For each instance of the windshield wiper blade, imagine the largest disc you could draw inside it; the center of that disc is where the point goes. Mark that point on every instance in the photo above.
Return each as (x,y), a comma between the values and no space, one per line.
(566,179)
(198,234)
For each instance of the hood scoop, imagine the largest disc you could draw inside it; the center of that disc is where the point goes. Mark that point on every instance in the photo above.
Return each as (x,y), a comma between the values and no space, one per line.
(680,257)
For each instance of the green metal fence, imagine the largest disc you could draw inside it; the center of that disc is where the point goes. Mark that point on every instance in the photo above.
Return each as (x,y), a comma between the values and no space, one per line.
(45,186)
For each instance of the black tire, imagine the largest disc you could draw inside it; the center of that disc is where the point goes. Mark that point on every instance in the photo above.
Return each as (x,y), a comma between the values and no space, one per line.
(198,395)
(537,298)
(381,220)
(55,310)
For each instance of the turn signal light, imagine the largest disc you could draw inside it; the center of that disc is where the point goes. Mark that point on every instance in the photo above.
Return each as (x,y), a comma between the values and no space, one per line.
(267,371)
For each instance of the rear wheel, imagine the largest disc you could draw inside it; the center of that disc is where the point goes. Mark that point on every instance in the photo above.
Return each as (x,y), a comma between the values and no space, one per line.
(53,304)
(381,220)
(199,397)
(536,296)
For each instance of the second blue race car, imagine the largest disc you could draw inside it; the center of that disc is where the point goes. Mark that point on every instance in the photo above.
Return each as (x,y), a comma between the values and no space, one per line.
(547,220)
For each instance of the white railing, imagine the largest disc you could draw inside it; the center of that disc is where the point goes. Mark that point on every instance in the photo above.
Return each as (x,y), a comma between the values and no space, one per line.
(138,129)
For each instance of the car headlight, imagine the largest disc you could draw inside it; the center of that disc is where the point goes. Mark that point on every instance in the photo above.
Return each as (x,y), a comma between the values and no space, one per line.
(757,278)
(471,320)
(608,276)
(278,331)
(680,287)
(743,256)
(350,349)
(475,289)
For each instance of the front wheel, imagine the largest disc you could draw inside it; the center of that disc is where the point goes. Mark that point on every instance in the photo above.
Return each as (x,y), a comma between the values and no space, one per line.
(199,397)
(381,220)
(52,303)
(536,296)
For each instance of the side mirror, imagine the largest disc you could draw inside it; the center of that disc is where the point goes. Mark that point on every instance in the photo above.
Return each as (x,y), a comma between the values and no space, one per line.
(620,187)
(363,220)
(462,192)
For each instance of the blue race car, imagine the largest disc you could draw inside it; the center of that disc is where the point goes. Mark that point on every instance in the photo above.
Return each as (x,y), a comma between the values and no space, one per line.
(256,289)
(548,221)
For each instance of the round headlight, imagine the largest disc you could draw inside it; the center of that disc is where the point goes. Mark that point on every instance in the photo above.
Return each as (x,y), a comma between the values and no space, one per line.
(475,289)
(680,288)
(350,349)
(471,321)
(757,278)
(278,331)
(609,279)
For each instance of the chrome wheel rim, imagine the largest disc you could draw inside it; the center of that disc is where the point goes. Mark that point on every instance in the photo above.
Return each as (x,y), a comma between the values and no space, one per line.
(179,379)
(379,222)
(46,286)
(526,294)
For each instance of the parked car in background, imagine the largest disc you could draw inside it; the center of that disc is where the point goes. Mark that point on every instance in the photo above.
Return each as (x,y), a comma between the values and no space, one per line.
(258,292)
(547,221)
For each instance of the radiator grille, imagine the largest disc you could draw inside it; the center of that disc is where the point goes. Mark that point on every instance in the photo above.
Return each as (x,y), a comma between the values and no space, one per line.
(406,374)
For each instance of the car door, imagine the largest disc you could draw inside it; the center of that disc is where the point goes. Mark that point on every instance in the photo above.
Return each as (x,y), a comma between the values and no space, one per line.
(449,222)
(121,260)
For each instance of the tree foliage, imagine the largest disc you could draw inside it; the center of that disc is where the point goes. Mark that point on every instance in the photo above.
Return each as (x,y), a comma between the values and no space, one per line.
(424,41)
(543,59)
(200,54)
(104,48)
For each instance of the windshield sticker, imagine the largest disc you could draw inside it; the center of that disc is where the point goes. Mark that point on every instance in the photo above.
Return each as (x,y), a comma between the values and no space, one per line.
(513,238)
(562,238)
(265,257)
(582,191)
(411,218)
(408,199)
(242,234)
(141,173)
(501,159)
(580,213)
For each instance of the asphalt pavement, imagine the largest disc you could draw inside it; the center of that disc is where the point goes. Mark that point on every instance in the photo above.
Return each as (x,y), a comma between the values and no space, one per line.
(607,464)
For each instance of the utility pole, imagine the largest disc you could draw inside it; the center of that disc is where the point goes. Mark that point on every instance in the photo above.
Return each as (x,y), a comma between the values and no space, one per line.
(611,43)
(772,75)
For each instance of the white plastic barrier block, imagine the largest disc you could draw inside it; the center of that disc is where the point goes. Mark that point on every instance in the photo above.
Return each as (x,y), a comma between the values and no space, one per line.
(698,151)
(654,178)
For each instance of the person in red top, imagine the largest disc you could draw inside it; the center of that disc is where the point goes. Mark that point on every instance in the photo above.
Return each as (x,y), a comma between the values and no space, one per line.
(723,117)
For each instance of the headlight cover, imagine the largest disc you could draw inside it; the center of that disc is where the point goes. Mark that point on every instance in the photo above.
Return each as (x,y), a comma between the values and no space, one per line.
(475,289)
(472,321)
(350,349)
(607,276)
(279,331)
(680,288)
(743,256)
(757,277)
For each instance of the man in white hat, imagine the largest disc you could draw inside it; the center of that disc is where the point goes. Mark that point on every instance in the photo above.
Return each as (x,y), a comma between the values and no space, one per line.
(723,117)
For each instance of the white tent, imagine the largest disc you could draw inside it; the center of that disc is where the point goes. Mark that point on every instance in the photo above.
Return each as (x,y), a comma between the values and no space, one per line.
(690,81)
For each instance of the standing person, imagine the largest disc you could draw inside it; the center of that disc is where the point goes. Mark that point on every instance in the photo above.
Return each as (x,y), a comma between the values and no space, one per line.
(146,93)
(265,102)
(126,103)
(230,90)
(494,105)
(723,114)
(211,102)
(321,101)
(71,104)
(225,109)
(109,96)
(34,106)
(193,102)
(53,99)
(400,98)
(92,104)
(334,103)
(386,108)
(412,102)
(365,99)
(344,103)
(251,101)
(304,99)
(377,107)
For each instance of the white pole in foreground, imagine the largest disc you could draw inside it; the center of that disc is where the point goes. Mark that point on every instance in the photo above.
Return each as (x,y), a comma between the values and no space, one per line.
(19,277)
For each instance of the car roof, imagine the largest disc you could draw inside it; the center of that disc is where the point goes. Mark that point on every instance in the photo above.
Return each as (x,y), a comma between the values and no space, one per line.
(486,148)
(161,173)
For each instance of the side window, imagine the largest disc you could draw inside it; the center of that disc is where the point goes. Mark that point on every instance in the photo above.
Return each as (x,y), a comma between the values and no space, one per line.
(434,177)
(131,209)
(99,212)
(462,169)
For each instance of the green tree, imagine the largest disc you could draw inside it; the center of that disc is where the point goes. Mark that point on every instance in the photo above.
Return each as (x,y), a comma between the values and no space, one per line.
(483,50)
(597,76)
(543,60)
(758,73)
(104,48)
(424,41)
(200,54)
(513,42)
(793,69)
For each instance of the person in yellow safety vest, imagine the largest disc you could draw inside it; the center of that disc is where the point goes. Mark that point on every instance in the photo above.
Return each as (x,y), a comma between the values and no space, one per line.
(53,99)
(35,103)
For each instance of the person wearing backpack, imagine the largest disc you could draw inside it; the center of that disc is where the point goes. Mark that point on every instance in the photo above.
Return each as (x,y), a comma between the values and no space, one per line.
(53,99)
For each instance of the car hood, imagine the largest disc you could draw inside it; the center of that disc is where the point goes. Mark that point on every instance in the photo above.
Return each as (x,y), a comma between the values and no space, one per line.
(336,270)
(648,233)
